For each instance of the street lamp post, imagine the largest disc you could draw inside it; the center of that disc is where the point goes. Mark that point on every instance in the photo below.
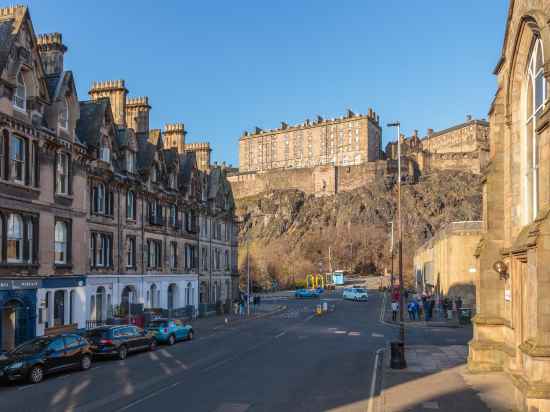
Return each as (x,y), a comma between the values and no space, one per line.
(247,280)
(391,252)
(401,362)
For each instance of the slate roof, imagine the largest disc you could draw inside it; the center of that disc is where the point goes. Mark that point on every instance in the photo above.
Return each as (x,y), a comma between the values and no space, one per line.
(188,162)
(146,151)
(51,84)
(7,38)
(88,126)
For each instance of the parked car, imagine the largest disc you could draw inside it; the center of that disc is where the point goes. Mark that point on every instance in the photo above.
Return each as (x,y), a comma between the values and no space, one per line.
(119,340)
(306,293)
(169,330)
(38,357)
(356,294)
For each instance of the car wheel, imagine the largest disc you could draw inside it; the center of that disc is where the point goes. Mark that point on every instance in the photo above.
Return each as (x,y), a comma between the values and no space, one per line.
(152,345)
(190,335)
(85,362)
(122,352)
(171,340)
(36,374)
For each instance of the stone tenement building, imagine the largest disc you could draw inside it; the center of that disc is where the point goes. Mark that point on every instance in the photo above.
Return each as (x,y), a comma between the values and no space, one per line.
(270,161)
(99,214)
(512,325)
(349,140)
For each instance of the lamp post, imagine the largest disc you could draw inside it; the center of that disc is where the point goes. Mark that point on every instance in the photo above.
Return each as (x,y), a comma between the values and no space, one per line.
(400,362)
(391,252)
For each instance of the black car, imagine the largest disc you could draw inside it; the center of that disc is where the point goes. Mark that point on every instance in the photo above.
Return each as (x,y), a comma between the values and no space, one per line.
(40,356)
(119,340)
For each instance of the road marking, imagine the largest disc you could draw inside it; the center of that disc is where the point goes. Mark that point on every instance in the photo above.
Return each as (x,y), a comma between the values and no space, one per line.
(354,334)
(280,334)
(377,335)
(151,395)
(373,381)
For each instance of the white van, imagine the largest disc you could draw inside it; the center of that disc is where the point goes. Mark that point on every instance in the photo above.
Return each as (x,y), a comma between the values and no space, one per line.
(355,294)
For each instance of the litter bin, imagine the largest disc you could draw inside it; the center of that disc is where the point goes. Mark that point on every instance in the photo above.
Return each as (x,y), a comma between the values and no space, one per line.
(465,316)
(397,360)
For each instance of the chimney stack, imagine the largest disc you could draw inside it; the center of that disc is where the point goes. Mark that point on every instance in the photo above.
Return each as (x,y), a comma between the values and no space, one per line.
(116,91)
(468,117)
(52,50)
(137,114)
(430,132)
(174,137)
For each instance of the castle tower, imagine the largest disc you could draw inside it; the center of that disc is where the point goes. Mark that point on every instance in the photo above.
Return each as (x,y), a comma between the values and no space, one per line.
(137,114)
(116,91)
(174,137)
(51,50)
(202,153)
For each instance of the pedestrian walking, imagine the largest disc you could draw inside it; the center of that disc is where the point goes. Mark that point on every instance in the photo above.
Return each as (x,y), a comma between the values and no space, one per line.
(410,309)
(394,309)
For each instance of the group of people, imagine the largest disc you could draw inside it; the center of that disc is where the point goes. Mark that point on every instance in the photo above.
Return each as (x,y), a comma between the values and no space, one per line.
(422,306)
(240,303)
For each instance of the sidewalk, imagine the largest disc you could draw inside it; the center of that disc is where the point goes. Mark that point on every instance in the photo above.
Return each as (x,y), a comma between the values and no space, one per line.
(438,320)
(436,380)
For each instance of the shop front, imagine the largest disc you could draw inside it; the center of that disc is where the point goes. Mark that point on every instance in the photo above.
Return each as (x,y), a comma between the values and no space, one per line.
(17,311)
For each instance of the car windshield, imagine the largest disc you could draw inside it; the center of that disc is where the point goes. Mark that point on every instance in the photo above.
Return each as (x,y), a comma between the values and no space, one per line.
(360,290)
(33,346)
(158,324)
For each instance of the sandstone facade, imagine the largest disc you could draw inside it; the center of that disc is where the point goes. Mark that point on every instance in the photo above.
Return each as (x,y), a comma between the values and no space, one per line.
(512,327)
(446,265)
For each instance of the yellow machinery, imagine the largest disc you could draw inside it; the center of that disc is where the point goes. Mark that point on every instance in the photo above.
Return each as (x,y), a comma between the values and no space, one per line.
(317,281)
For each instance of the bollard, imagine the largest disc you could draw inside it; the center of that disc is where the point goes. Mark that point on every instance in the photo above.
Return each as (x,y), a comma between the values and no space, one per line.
(318,310)
(397,360)
(325,307)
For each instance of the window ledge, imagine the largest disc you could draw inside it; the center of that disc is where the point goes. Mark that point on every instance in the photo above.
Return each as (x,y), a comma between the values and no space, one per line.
(64,196)
(20,185)
(63,265)
(19,265)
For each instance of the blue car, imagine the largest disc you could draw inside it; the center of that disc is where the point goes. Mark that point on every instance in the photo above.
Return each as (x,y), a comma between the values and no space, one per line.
(306,293)
(169,330)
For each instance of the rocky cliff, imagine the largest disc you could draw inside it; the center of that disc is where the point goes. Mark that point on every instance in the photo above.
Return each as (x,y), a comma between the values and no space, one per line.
(290,234)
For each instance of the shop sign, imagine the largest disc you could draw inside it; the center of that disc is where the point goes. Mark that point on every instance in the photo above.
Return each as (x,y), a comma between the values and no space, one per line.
(18,284)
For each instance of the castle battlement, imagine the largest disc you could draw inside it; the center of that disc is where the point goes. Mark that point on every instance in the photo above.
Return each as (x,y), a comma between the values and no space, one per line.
(108,85)
(142,101)
(12,10)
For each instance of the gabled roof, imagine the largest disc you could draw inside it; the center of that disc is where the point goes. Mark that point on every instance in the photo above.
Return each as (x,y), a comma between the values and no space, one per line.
(188,163)
(92,115)
(146,151)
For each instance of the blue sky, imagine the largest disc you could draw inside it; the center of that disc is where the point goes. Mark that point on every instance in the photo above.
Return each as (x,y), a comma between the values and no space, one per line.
(222,67)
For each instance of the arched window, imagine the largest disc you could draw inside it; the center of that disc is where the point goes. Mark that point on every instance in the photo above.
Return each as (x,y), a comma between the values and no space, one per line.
(172,296)
(100,303)
(20,95)
(536,96)
(60,243)
(63,115)
(15,238)
(188,296)
(92,307)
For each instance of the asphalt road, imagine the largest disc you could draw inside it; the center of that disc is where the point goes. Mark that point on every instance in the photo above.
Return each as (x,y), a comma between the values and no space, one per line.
(290,361)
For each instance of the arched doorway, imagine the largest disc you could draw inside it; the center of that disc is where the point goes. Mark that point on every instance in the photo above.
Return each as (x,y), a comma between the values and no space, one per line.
(188,296)
(128,298)
(154,295)
(203,292)
(172,296)
(13,320)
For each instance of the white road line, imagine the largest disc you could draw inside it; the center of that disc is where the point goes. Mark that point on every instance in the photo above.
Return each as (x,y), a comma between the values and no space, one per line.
(280,334)
(373,381)
(151,395)
(377,335)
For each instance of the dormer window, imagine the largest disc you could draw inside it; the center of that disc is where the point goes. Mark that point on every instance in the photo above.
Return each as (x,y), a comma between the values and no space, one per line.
(63,115)
(130,161)
(105,153)
(20,96)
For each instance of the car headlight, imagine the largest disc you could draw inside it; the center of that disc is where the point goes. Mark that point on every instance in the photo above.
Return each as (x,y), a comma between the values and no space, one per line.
(16,365)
